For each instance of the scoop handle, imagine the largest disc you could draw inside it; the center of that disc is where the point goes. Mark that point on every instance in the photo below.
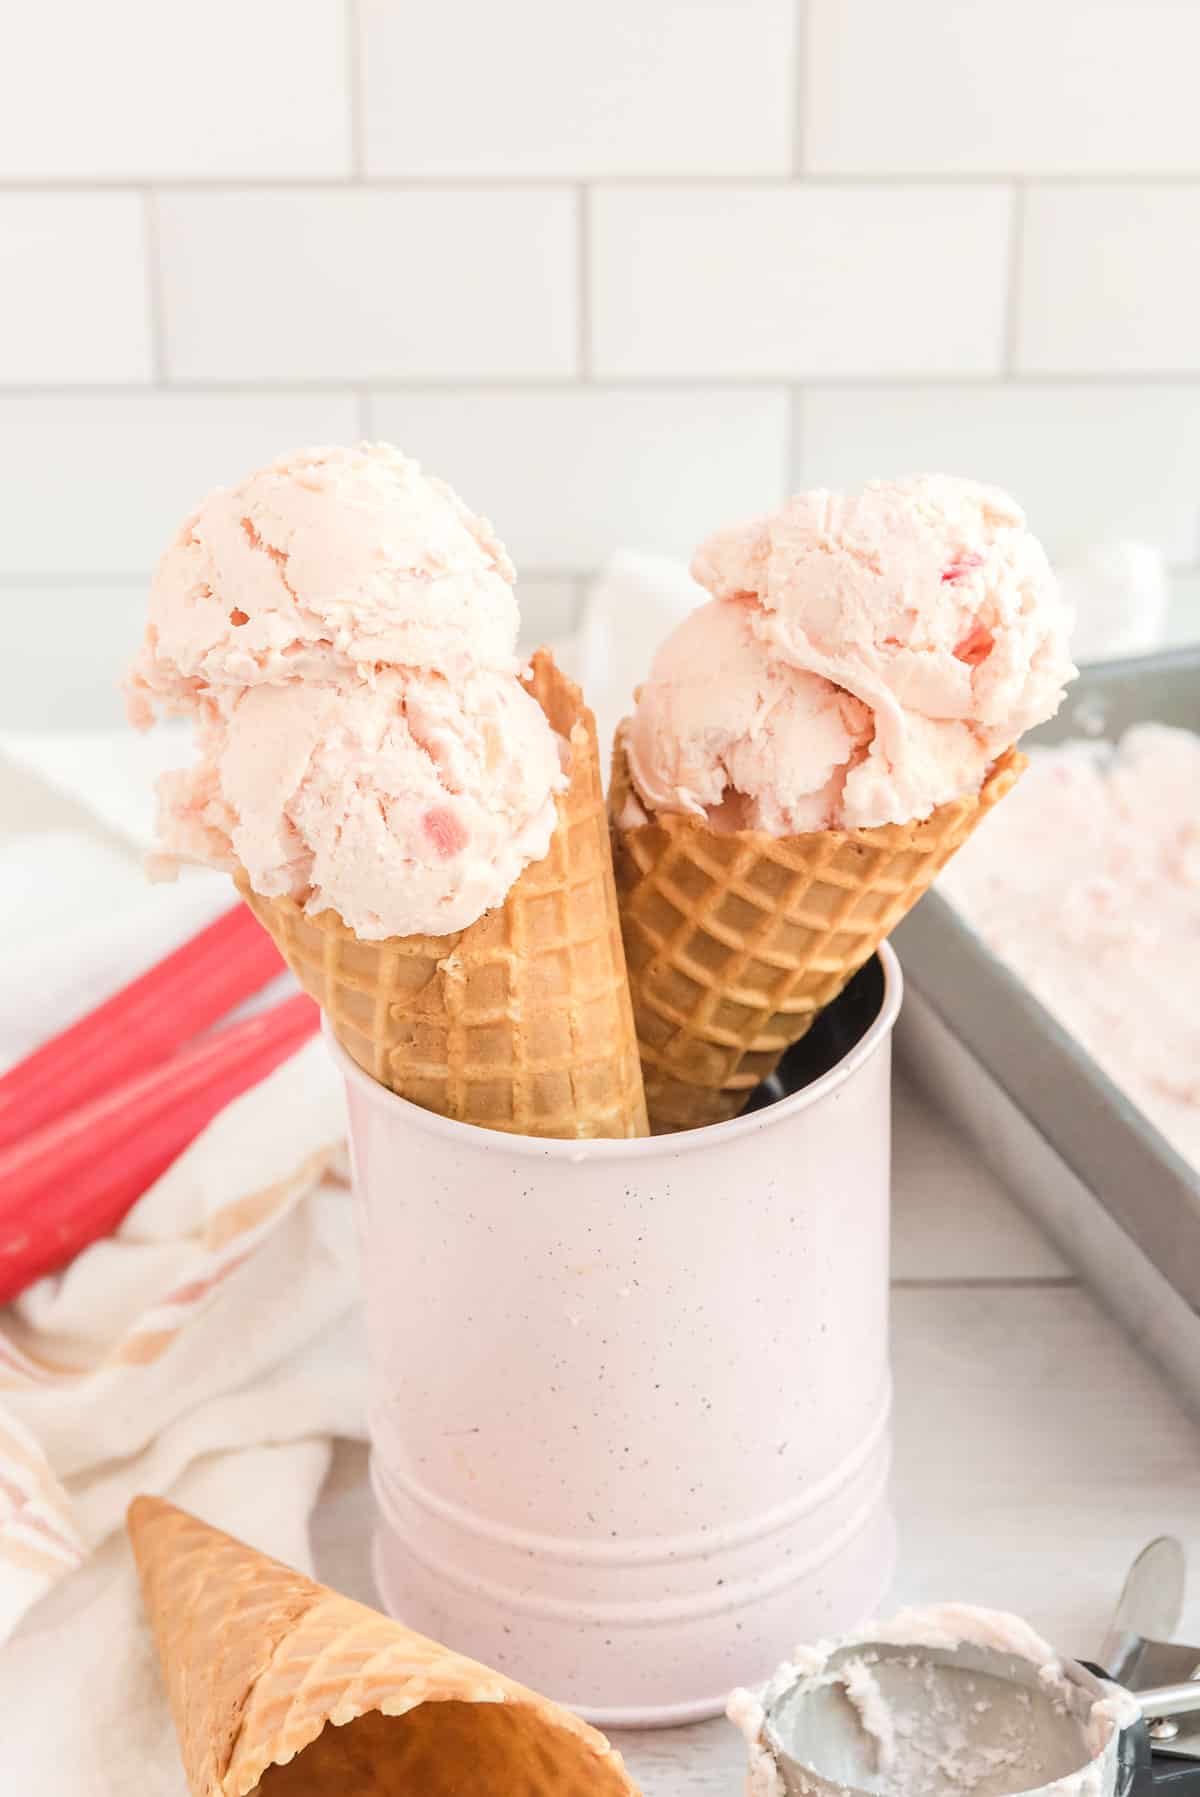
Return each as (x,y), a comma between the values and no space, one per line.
(1140,1771)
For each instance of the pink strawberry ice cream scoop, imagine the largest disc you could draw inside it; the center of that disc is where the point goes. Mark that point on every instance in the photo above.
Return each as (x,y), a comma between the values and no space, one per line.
(929,619)
(725,730)
(409,806)
(342,632)
(329,557)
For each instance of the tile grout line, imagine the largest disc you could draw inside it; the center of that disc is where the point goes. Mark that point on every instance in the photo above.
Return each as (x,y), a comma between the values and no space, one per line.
(794,444)
(583,277)
(800,87)
(491,182)
(697,382)
(156,308)
(1016,268)
(355,90)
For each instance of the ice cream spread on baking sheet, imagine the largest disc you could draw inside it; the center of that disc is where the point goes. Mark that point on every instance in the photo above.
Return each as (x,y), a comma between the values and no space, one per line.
(899,1713)
(1087,881)
(342,632)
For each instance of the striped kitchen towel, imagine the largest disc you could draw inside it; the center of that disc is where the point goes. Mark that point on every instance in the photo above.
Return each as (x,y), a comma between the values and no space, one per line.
(211,1348)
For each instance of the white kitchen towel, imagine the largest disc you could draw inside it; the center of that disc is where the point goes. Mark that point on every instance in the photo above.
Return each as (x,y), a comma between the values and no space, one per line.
(211,1349)
(220,1317)
(111,773)
(78,918)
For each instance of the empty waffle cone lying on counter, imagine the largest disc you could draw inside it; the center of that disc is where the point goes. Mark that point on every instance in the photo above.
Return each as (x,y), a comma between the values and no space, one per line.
(737,940)
(280,1687)
(522,1022)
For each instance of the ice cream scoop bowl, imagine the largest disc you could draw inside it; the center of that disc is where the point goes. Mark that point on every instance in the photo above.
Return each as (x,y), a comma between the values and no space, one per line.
(958,1700)
(888,1718)
(630,1399)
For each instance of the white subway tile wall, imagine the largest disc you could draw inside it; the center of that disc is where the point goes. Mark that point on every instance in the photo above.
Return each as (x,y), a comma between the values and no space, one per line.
(621,271)
(1110,280)
(367,284)
(799,280)
(617,87)
(135,90)
(53,248)
(1038,87)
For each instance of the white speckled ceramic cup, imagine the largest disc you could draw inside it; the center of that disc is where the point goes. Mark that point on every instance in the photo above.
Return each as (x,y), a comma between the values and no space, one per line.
(630,1399)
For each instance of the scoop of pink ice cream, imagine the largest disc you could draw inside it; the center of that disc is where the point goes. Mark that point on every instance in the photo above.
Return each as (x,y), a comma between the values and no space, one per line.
(864,660)
(342,632)
(409,805)
(328,560)
(925,597)
(727,731)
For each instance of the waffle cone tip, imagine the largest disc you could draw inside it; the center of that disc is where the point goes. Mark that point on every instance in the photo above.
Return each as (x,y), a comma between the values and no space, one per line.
(280,1687)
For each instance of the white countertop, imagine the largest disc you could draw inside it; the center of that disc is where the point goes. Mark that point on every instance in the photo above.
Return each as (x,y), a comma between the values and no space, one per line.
(1036,1450)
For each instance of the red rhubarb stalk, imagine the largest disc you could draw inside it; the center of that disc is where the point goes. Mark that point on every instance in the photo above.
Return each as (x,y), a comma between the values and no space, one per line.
(73,1182)
(141,1025)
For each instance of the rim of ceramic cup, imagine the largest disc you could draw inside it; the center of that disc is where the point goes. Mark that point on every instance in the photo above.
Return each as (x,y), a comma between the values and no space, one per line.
(574,1150)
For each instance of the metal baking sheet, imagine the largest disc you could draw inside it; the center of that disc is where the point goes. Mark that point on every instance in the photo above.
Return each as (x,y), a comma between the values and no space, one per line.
(1101,1136)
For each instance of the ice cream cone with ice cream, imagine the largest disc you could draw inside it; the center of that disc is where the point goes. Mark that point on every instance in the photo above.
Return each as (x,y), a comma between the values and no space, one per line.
(420,826)
(280,1687)
(810,748)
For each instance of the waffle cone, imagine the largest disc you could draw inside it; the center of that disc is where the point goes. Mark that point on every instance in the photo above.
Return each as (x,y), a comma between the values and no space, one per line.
(736,941)
(522,1022)
(281,1688)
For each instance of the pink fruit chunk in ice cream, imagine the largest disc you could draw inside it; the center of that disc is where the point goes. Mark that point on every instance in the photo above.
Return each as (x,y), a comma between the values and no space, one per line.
(926,602)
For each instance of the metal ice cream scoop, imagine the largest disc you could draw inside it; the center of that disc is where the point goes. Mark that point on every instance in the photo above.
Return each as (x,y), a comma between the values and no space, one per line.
(972,1720)
(1138,1653)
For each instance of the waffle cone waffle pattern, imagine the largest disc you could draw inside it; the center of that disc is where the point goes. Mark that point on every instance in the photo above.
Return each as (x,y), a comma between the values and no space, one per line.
(523,1021)
(736,941)
(279,1687)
